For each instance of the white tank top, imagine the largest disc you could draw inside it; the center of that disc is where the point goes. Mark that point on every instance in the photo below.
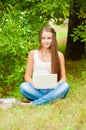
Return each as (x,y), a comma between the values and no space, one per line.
(40,67)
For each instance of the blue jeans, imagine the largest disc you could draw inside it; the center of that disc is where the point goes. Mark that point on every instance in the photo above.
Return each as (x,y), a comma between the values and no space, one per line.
(43,96)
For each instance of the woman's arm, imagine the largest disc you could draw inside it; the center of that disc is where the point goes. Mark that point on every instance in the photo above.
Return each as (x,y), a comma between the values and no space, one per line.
(29,67)
(62,65)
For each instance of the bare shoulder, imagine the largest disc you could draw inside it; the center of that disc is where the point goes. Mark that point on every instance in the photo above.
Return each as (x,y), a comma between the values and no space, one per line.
(60,54)
(31,52)
(30,55)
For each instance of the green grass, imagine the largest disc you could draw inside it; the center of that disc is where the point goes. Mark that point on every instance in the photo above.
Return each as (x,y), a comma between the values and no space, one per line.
(64,114)
(61,37)
(61,32)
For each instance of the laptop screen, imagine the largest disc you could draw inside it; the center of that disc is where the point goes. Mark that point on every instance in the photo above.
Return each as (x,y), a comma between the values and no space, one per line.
(45,81)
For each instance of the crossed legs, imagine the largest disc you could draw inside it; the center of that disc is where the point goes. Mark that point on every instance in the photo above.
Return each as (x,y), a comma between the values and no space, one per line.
(43,96)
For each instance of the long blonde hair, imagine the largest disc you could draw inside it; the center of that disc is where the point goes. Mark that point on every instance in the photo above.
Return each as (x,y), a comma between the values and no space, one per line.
(55,64)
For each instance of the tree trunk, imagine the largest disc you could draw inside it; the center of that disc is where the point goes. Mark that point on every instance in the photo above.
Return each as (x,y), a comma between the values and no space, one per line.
(74,50)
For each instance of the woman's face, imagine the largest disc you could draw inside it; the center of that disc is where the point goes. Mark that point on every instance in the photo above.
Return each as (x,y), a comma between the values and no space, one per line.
(46,39)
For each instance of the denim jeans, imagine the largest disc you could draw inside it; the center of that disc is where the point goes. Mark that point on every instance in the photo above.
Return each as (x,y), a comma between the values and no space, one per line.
(43,96)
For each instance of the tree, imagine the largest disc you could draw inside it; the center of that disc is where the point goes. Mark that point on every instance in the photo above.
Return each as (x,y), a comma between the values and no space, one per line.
(75,47)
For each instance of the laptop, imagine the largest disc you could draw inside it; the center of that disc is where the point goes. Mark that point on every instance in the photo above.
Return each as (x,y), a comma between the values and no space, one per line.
(45,81)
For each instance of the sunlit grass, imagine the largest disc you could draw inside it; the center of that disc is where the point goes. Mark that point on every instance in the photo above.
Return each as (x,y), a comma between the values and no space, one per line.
(66,114)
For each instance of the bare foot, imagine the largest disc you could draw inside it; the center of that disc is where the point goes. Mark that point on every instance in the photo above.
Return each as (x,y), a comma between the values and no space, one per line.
(24,103)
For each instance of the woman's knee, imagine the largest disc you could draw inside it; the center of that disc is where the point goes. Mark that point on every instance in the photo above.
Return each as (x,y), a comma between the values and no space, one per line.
(24,86)
(64,88)
(67,86)
(64,85)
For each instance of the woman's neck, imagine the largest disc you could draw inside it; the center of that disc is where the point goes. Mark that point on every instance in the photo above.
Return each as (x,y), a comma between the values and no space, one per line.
(45,51)
(45,55)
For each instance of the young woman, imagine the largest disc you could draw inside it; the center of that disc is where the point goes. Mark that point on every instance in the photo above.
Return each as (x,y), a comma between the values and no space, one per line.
(47,59)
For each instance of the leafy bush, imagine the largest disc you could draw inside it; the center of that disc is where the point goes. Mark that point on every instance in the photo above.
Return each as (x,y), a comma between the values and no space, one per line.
(15,42)
(79,32)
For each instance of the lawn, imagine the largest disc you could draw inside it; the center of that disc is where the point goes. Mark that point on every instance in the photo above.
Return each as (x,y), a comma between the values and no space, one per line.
(65,114)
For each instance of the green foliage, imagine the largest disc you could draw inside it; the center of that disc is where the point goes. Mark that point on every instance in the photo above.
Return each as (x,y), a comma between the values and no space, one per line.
(20,22)
(79,33)
(15,42)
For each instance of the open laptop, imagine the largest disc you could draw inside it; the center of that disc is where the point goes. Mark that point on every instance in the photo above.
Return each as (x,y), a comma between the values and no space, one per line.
(45,81)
